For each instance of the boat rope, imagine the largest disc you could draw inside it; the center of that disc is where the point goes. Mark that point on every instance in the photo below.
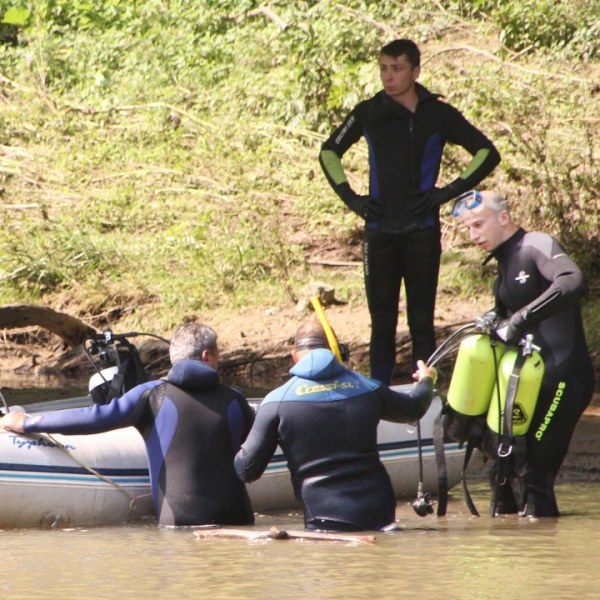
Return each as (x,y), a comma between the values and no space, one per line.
(133,498)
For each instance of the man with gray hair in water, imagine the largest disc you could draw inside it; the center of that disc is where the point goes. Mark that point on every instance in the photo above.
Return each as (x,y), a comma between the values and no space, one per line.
(538,292)
(192,426)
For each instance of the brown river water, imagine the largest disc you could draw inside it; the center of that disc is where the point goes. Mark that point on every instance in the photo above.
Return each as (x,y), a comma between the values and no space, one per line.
(457,556)
(454,557)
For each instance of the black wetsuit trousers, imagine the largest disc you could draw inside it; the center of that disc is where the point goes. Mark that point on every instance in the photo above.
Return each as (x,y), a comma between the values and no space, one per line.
(389,260)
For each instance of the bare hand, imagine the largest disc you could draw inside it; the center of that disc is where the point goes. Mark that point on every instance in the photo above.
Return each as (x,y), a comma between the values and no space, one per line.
(13,421)
(424,371)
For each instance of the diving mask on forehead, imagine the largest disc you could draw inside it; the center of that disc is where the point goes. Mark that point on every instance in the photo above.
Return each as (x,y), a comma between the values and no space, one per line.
(467,201)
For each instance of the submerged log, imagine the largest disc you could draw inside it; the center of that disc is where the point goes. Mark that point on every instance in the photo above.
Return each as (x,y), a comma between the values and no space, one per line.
(70,329)
(284,534)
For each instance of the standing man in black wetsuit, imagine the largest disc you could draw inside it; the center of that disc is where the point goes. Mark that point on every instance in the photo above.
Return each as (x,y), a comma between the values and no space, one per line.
(325,420)
(192,426)
(406,128)
(537,292)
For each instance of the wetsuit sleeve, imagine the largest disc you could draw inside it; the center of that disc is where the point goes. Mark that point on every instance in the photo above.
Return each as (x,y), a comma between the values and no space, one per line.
(567,283)
(120,412)
(485,155)
(256,452)
(406,407)
(332,150)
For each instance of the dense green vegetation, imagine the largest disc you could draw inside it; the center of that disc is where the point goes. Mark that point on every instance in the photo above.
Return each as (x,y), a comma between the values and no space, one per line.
(158,157)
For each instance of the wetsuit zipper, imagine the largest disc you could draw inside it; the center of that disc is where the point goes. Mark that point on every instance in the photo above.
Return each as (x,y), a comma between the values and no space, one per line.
(411,152)
(415,184)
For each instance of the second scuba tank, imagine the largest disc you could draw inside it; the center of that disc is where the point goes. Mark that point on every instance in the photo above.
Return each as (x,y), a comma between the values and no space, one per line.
(528,389)
(474,374)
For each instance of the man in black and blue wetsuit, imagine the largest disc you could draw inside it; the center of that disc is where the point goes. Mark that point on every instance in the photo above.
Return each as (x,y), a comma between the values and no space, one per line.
(192,426)
(325,421)
(537,292)
(406,128)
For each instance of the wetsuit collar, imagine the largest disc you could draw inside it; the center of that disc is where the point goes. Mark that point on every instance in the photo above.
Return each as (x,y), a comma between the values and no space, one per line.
(316,365)
(387,107)
(424,93)
(502,249)
(192,375)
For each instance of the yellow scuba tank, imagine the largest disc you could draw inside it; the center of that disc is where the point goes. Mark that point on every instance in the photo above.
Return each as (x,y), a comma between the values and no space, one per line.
(474,374)
(528,389)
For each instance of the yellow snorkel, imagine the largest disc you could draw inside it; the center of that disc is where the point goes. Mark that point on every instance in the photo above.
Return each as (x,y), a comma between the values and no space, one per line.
(329,333)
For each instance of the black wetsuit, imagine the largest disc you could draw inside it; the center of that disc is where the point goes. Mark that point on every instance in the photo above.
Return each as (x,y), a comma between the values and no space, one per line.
(192,427)
(540,287)
(405,153)
(325,420)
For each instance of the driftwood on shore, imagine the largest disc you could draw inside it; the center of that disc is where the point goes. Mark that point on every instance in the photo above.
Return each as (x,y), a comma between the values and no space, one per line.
(260,367)
(261,364)
(70,329)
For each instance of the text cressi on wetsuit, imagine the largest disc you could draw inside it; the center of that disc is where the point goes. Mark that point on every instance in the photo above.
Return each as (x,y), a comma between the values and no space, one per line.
(192,427)
(405,154)
(325,420)
(540,287)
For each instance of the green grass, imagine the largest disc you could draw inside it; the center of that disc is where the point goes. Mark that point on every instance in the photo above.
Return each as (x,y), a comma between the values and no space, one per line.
(156,162)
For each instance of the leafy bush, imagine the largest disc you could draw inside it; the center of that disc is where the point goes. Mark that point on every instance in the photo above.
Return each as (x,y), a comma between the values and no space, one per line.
(572,27)
(154,142)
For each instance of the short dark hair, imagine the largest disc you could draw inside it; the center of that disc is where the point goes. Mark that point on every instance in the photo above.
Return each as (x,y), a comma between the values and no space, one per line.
(403,46)
(310,335)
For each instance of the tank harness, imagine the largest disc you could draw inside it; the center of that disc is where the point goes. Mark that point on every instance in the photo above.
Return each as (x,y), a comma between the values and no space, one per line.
(490,406)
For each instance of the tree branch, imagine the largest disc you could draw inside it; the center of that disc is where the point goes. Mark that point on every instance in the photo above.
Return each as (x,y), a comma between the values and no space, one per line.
(72,331)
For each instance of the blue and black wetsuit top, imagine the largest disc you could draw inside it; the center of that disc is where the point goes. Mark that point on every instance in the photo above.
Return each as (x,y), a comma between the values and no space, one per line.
(192,427)
(325,421)
(405,154)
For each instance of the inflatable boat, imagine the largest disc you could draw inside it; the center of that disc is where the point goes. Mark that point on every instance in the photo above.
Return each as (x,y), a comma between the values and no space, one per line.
(58,481)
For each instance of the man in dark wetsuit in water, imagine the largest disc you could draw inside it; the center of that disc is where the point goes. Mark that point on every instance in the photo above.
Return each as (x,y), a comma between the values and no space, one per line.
(325,420)
(406,128)
(537,292)
(192,426)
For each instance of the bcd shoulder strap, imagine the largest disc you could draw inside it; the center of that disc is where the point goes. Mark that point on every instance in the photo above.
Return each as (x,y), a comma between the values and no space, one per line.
(506,437)
(440,459)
